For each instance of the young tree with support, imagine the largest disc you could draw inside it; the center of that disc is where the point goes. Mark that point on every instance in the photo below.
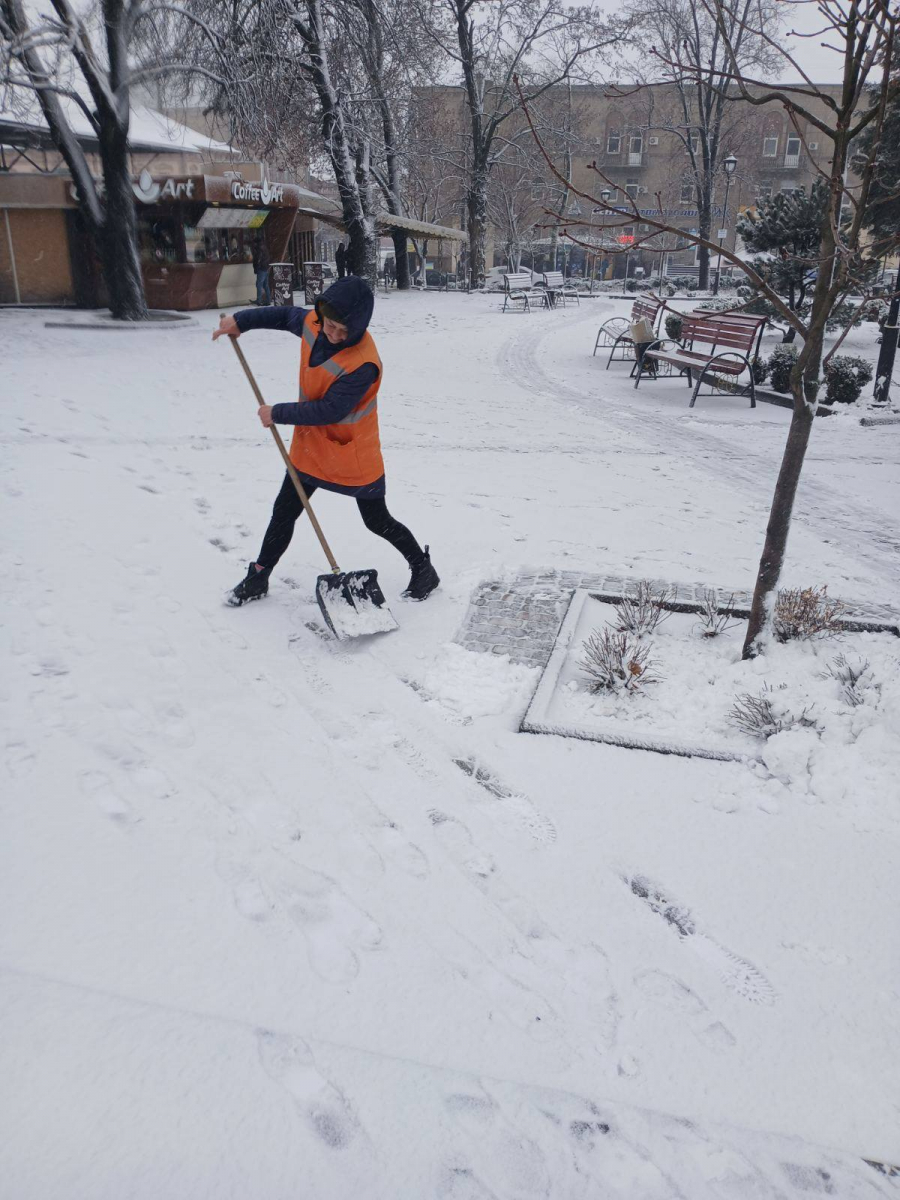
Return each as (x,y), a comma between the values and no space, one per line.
(864,33)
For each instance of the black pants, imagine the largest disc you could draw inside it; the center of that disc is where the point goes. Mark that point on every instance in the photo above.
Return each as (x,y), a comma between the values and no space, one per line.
(374,513)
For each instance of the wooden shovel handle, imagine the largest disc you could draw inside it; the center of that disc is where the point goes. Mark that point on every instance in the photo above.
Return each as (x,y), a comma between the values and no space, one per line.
(295,478)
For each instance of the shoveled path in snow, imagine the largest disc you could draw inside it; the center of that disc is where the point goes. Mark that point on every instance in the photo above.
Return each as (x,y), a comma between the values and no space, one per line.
(280,910)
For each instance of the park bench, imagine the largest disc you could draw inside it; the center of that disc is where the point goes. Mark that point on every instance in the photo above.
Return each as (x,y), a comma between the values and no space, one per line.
(518,289)
(616,332)
(715,347)
(558,291)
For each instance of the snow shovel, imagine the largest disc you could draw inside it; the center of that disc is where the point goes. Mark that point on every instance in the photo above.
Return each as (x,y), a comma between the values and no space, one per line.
(352,602)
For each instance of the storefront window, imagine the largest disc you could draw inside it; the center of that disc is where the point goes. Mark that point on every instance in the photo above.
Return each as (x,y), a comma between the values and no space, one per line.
(217,245)
(158,238)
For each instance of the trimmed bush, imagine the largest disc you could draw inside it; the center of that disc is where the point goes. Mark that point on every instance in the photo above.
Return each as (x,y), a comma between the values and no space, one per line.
(780,366)
(845,378)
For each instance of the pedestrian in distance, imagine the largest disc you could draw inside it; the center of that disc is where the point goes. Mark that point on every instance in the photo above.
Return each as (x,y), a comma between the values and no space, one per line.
(336,443)
(340,260)
(260,256)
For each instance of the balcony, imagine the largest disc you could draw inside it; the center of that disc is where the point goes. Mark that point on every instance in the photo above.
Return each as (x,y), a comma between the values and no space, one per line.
(792,161)
(635,158)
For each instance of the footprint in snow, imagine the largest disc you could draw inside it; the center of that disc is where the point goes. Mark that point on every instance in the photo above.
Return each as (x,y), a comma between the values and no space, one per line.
(20,759)
(515,808)
(501,1156)
(250,899)
(671,993)
(735,972)
(336,930)
(98,787)
(401,853)
(481,870)
(289,1061)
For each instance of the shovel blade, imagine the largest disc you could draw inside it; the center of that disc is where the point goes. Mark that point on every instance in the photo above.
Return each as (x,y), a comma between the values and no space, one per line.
(353,604)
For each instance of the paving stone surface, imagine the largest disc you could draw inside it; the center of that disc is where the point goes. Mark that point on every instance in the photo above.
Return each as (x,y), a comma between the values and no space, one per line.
(521,615)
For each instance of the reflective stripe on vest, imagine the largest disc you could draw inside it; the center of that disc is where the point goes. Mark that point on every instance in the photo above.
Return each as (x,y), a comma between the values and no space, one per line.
(359,413)
(308,335)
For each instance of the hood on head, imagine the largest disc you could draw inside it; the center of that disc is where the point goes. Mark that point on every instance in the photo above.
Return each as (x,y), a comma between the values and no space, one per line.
(353,300)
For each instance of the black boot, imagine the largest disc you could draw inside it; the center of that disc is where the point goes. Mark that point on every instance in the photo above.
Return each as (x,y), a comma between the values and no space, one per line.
(424,578)
(254,587)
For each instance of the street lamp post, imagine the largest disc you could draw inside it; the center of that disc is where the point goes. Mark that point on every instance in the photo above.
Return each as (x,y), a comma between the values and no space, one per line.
(730,166)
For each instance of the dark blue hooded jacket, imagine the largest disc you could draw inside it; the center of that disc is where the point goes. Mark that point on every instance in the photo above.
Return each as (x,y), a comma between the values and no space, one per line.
(353,300)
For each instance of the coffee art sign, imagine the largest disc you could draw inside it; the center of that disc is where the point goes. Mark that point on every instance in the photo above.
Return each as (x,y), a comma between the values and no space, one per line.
(149,191)
(264,193)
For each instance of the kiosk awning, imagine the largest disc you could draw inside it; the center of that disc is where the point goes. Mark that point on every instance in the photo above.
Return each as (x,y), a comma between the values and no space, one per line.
(386,220)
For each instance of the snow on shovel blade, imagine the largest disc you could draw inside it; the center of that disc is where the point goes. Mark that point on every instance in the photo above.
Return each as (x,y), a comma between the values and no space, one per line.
(353,604)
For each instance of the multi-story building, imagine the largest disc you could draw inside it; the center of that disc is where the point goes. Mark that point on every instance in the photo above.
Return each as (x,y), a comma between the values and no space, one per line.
(634,142)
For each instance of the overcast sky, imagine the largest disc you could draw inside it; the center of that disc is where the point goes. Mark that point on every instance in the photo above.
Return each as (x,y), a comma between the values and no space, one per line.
(820,64)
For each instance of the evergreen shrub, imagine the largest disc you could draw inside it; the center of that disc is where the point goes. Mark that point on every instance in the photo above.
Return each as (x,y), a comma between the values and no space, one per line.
(780,366)
(845,378)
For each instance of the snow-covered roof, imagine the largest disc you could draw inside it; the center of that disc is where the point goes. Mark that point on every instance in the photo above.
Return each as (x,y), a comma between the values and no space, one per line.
(389,220)
(148,129)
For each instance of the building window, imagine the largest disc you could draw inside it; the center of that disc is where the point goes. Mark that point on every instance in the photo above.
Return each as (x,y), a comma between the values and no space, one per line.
(635,149)
(631,188)
(687,192)
(764,191)
(770,147)
(695,143)
(613,143)
(792,152)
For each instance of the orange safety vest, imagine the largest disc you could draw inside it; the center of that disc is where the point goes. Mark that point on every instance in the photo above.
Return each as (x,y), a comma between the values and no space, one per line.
(348,452)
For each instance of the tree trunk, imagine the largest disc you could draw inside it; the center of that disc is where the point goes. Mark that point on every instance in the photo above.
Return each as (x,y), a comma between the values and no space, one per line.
(118,234)
(778,527)
(401,258)
(704,227)
(888,351)
(477,207)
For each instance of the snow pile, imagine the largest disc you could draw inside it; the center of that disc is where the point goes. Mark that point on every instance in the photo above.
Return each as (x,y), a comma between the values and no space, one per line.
(479,685)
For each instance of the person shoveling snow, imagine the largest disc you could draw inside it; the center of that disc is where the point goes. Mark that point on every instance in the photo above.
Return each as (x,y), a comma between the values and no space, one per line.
(336,442)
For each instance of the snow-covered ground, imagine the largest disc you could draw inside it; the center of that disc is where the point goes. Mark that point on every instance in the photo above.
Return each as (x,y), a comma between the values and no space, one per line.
(262,937)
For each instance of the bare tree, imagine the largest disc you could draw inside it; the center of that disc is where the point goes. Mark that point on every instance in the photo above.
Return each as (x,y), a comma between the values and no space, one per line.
(64,64)
(290,70)
(692,52)
(541,42)
(396,54)
(863,33)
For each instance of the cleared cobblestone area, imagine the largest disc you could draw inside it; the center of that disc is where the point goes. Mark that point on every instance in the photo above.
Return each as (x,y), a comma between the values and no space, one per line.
(521,616)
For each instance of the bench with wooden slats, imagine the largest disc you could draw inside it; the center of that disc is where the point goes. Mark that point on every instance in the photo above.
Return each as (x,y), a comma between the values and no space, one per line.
(732,343)
(616,332)
(558,291)
(519,290)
